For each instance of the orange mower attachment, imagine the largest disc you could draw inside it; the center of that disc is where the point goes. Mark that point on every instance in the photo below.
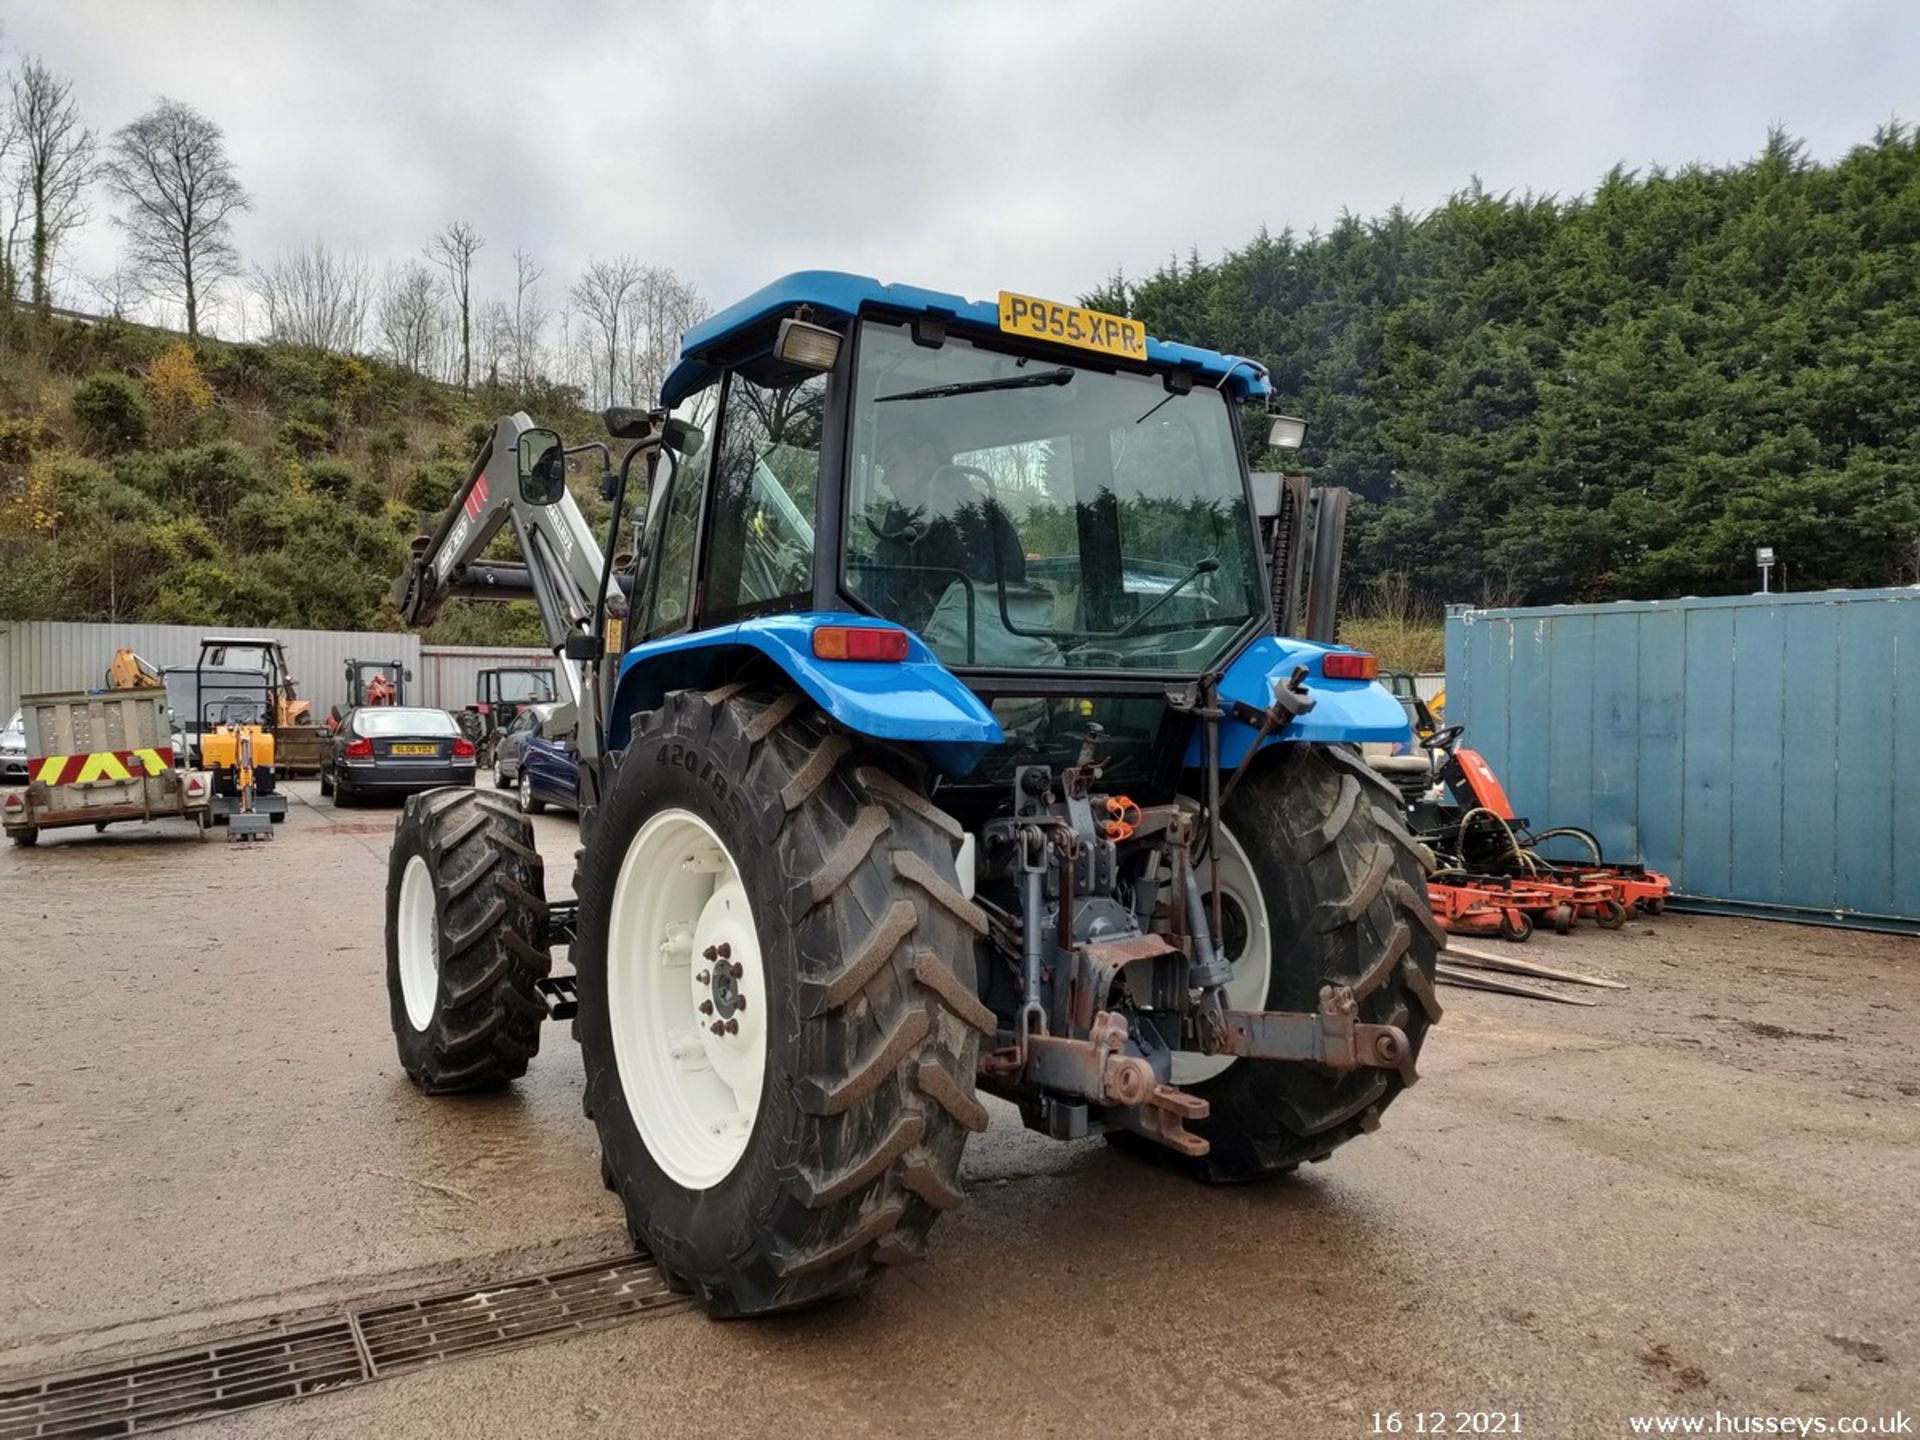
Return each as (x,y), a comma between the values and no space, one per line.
(1484,905)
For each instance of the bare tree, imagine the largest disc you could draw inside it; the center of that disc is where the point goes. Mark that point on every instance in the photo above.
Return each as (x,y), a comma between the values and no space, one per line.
(529,317)
(601,293)
(14,206)
(316,297)
(55,163)
(453,250)
(493,340)
(409,317)
(170,168)
(659,309)
(116,293)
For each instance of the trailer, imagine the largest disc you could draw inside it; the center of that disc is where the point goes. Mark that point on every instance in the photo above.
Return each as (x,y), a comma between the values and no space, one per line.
(101,757)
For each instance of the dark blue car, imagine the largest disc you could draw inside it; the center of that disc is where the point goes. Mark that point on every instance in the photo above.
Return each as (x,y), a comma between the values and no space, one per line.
(535,757)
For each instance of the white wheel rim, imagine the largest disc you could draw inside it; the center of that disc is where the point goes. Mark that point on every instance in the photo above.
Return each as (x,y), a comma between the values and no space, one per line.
(1252,967)
(679,913)
(526,792)
(419,937)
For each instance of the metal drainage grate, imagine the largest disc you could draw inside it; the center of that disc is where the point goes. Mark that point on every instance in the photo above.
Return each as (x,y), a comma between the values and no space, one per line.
(286,1363)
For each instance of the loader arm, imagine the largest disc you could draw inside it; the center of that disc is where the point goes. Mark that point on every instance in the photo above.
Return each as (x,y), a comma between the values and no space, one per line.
(559,567)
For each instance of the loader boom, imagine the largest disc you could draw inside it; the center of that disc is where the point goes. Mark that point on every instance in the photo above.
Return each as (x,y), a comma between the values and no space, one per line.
(559,566)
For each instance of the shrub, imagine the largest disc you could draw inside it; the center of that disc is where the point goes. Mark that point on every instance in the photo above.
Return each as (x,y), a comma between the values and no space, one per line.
(303,437)
(29,506)
(383,448)
(319,412)
(431,486)
(177,392)
(109,414)
(208,480)
(20,438)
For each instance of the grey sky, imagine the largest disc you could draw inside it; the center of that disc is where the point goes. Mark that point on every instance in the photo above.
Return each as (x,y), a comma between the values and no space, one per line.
(968,146)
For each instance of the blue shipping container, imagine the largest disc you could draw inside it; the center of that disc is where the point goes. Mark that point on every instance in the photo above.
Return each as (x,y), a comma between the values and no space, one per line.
(1762,750)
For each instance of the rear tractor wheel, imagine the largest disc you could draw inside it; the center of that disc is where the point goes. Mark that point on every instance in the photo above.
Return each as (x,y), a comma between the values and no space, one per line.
(1320,885)
(466,941)
(777,1016)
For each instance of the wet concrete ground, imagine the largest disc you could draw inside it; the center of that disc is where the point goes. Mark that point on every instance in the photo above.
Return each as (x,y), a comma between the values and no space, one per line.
(1702,1194)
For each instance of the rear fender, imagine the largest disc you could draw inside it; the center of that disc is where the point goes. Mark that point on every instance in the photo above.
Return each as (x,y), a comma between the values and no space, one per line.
(916,701)
(1345,712)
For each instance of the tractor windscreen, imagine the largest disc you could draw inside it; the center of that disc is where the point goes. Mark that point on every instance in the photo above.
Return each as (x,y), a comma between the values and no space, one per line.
(517,687)
(1021,513)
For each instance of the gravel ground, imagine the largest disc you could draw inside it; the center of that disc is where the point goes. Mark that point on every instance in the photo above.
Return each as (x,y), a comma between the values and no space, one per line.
(1697,1196)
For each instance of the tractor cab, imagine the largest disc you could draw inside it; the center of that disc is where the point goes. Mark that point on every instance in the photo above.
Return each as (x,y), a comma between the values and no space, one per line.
(1040,501)
(371,682)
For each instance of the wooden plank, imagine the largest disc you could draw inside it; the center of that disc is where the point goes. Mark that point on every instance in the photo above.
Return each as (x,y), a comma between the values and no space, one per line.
(1491,960)
(1480,980)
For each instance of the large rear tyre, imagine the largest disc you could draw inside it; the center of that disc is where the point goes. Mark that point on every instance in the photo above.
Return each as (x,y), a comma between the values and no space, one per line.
(466,941)
(1339,894)
(747,850)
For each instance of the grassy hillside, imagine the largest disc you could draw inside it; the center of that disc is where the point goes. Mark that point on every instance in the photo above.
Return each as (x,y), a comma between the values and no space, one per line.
(146,479)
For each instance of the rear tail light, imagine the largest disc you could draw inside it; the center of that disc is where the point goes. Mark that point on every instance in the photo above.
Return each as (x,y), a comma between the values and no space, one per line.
(1351,665)
(361,749)
(462,748)
(859,642)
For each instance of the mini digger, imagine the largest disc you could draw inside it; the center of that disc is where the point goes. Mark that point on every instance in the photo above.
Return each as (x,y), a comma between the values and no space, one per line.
(233,737)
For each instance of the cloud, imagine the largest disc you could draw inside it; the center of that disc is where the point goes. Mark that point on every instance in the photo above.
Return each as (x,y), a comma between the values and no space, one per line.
(968,145)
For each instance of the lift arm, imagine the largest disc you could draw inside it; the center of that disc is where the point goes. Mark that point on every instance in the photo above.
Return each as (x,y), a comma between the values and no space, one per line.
(559,567)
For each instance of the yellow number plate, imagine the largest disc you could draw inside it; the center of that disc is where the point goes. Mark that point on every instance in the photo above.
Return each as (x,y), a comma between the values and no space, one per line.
(1070,325)
(416,750)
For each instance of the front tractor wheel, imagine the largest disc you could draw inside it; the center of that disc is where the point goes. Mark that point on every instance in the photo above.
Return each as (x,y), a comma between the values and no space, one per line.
(1320,884)
(466,941)
(777,1009)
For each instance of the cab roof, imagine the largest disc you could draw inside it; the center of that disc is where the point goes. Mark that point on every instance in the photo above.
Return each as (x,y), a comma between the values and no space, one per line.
(837,295)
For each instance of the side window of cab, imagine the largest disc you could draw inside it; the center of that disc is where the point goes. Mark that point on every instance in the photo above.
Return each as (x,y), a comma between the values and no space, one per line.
(668,578)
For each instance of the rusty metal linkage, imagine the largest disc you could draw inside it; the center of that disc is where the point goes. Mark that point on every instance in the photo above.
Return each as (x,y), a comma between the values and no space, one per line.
(1333,1037)
(1097,1068)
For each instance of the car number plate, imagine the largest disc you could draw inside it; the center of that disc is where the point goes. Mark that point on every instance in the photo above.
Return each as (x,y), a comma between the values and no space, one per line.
(416,750)
(1033,319)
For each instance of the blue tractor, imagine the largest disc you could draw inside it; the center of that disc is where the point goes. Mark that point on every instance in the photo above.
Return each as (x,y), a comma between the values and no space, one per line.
(937,736)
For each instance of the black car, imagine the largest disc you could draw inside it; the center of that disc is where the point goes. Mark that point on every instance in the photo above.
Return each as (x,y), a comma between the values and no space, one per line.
(394,750)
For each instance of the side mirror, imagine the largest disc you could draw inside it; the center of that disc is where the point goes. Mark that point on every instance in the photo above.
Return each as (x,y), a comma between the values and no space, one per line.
(543,467)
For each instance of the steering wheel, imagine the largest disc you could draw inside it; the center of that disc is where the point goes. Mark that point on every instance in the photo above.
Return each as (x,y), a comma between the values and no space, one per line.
(1443,739)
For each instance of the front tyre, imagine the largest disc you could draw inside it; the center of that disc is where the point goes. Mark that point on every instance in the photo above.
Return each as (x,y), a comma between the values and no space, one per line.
(466,941)
(1338,890)
(777,1007)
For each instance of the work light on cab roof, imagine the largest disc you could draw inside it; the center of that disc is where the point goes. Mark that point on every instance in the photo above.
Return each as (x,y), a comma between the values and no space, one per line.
(951,717)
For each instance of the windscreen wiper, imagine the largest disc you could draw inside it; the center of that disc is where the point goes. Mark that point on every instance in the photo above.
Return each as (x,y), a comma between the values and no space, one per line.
(1060,376)
(1204,567)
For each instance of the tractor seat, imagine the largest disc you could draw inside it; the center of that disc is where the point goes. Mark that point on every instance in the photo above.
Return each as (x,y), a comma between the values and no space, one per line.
(1387,764)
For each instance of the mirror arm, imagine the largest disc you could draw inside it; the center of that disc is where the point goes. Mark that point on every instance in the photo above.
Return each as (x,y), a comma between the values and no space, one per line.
(619,499)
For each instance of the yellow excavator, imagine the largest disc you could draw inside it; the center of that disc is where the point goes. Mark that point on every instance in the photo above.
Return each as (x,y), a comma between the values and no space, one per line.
(299,739)
(129,672)
(235,733)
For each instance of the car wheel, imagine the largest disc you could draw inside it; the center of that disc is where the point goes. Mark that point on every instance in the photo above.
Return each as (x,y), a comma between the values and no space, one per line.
(528,804)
